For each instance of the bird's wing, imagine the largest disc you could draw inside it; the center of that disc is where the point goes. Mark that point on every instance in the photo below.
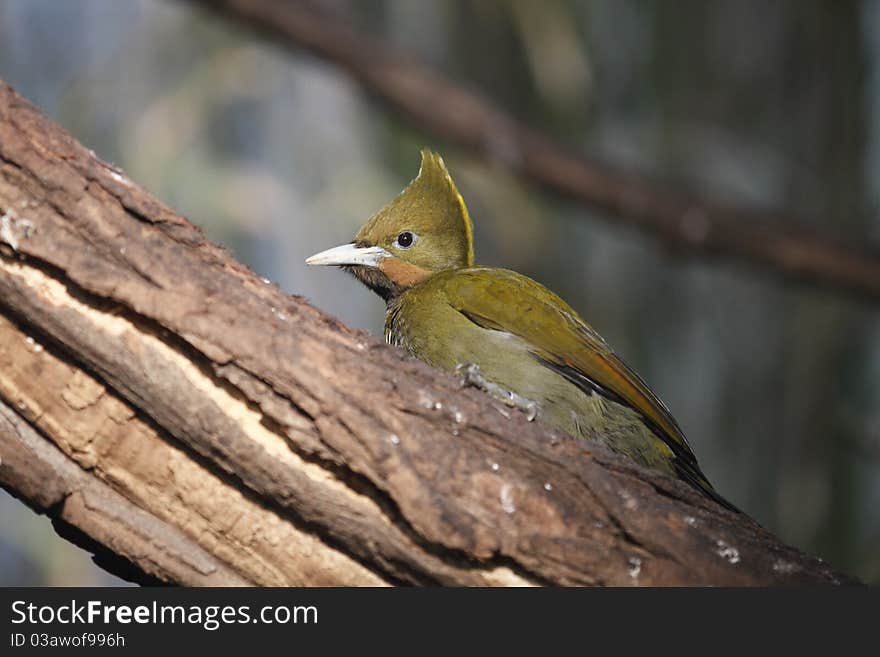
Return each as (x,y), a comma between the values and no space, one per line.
(503,300)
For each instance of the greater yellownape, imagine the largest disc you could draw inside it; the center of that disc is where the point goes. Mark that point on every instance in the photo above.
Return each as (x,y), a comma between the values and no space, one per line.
(503,331)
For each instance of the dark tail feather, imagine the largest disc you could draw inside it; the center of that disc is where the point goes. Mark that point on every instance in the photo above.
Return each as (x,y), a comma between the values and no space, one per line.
(696,479)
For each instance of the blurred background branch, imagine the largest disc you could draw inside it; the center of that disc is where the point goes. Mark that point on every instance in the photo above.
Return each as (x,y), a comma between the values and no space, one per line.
(445,110)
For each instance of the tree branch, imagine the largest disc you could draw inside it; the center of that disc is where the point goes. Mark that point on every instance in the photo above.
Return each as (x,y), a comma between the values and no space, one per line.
(434,104)
(182,417)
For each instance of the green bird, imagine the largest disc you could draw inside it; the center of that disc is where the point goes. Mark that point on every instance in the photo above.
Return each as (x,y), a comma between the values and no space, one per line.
(503,331)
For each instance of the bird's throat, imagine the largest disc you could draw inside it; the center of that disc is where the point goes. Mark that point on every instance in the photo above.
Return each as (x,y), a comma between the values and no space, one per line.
(377,281)
(391,278)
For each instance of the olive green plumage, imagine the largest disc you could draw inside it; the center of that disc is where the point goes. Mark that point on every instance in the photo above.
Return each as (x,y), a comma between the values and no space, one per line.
(417,254)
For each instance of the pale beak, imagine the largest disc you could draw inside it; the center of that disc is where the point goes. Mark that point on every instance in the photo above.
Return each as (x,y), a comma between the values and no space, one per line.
(349,254)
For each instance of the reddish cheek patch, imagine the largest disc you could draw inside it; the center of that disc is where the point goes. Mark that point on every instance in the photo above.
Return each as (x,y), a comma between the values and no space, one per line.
(402,273)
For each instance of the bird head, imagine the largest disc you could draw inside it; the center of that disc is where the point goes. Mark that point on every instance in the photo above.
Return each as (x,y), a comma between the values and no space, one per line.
(425,230)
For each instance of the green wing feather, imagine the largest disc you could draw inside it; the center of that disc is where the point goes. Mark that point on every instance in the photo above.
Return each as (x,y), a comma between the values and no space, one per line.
(503,300)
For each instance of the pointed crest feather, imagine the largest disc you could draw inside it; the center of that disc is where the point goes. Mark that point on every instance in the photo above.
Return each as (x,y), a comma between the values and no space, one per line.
(433,169)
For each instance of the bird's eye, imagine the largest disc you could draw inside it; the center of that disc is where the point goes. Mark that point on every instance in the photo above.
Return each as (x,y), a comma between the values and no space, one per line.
(405,240)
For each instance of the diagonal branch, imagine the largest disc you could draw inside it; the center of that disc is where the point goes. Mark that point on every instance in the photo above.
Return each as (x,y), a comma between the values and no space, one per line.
(180,416)
(434,104)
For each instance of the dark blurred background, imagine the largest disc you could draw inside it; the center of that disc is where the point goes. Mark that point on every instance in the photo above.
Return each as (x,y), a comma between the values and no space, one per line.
(765,105)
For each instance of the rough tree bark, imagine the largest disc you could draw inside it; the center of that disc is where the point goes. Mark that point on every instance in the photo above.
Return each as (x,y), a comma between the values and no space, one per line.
(192,423)
(687,223)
